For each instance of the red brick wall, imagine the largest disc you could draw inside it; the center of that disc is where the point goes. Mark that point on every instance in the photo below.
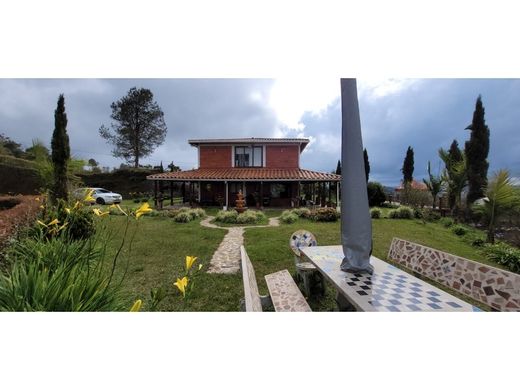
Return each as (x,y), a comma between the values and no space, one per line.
(282,156)
(215,156)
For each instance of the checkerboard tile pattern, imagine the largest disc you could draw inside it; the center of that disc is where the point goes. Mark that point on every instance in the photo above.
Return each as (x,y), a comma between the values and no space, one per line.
(392,291)
(387,289)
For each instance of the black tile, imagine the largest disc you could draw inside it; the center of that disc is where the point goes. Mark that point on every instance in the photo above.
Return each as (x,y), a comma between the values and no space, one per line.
(361,292)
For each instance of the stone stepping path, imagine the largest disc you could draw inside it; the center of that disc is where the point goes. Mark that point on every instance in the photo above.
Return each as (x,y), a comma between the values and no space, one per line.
(226,259)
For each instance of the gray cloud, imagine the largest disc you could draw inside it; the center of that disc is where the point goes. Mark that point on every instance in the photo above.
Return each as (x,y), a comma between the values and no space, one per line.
(426,114)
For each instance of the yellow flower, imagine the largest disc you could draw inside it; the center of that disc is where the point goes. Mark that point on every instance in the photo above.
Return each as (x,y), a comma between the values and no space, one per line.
(116,206)
(137,305)
(88,196)
(42,207)
(67,210)
(76,205)
(181,285)
(99,213)
(62,226)
(145,208)
(189,262)
(200,267)
(41,223)
(54,222)
(37,199)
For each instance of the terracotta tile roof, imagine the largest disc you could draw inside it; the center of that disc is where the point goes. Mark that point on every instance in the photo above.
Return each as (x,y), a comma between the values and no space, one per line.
(246,174)
(416,185)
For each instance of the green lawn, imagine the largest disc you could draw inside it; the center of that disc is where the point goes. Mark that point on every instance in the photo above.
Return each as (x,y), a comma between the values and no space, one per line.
(160,246)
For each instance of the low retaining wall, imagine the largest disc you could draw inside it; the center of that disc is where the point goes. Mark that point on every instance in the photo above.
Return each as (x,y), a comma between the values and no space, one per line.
(494,287)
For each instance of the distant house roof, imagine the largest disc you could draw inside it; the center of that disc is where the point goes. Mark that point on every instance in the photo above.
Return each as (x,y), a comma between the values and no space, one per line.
(416,185)
(245,174)
(302,141)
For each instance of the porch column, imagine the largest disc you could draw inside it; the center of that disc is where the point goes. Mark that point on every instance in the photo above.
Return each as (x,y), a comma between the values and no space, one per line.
(183,191)
(171,193)
(199,192)
(337,196)
(156,183)
(298,193)
(227,197)
(330,192)
(261,195)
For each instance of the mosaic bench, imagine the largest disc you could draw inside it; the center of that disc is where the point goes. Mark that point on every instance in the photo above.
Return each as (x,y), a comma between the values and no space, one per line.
(284,294)
(495,288)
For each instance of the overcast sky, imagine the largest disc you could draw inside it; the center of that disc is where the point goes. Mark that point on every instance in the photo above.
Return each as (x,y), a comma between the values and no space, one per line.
(426,114)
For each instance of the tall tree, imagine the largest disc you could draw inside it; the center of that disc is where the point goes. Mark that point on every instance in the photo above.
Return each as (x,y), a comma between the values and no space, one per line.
(338,168)
(407,168)
(454,156)
(367,164)
(60,152)
(434,184)
(476,150)
(138,126)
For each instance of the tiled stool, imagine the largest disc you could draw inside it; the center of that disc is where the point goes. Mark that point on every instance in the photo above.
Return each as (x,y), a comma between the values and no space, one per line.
(305,271)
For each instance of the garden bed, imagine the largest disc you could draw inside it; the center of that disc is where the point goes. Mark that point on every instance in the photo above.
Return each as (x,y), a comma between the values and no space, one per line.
(16,212)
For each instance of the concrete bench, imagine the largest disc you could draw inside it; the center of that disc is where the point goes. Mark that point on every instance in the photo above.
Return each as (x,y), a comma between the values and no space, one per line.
(284,294)
(495,288)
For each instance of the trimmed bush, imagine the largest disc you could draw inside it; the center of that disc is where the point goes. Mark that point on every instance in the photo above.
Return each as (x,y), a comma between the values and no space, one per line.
(182,217)
(459,230)
(325,214)
(430,215)
(504,254)
(288,217)
(227,216)
(375,213)
(402,212)
(418,213)
(302,212)
(248,216)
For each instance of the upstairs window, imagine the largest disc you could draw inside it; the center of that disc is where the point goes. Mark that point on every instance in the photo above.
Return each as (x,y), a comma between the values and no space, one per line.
(249,156)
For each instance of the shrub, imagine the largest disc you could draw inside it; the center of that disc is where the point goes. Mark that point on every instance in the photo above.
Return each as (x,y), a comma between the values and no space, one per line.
(447,222)
(430,215)
(227,216)
(78,219)
(247,216)
(325,214)
(418,213)
(196,213)
(376,194)
(504,254)
(478,242)
(137,201)
(58,275)
(402,212)
(182,217)
(302,212)
(459,230)
(288,217)
(375,213)
(393,214)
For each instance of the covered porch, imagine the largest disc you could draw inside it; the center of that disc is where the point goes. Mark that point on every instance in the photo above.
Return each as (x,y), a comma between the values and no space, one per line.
(285,189)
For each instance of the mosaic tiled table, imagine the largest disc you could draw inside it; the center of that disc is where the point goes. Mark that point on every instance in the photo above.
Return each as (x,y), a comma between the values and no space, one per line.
(387,289)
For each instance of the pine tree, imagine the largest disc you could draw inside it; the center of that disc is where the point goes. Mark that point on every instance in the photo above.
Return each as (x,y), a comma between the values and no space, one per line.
(408,166)
(367,164)
(476,150)
(60,152)
(338,168)
(138,126)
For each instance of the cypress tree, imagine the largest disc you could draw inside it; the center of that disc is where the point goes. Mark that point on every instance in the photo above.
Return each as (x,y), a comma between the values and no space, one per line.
(338,168)
(477,149)
(367,164)
(407,168)
(60,152)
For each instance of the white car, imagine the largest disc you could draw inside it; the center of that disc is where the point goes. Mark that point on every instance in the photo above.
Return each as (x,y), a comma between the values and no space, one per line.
(101,195)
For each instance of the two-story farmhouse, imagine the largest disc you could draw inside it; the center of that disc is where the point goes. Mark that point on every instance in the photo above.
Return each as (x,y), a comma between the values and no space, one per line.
(266,170)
